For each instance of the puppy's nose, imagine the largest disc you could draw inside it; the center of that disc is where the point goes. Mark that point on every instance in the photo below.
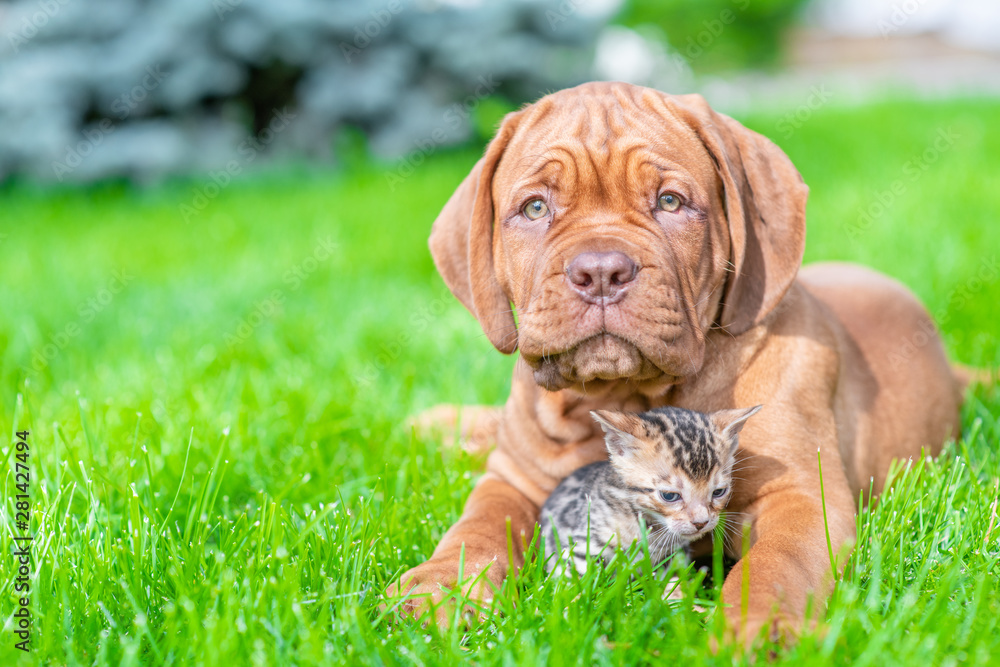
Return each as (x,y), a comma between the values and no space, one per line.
(597,275)
(699,524)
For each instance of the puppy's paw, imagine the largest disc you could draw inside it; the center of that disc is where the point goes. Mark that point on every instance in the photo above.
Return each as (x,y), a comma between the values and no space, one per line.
(432,592)
(673,589)
(471,427)
(773,628)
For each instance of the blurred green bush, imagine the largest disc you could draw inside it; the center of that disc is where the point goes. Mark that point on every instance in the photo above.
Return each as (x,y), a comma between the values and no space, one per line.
(715,35)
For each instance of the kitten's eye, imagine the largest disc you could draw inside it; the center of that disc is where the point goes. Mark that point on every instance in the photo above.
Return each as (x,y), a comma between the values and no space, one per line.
(669,201)
(535,209)
(670,496)
(718,493)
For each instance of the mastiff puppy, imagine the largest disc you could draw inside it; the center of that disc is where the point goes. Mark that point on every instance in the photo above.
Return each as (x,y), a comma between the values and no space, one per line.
(639,249)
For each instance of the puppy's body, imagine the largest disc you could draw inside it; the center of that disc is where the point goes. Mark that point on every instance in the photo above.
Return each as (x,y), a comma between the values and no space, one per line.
(706,311)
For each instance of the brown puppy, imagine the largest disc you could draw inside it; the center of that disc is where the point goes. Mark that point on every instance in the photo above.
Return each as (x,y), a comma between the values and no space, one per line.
(650,248)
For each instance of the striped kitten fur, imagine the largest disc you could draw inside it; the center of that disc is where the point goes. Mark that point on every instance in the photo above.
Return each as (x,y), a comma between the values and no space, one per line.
(668,468)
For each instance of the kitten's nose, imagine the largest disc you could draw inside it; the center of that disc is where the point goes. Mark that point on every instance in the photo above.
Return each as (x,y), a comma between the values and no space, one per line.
(699,524)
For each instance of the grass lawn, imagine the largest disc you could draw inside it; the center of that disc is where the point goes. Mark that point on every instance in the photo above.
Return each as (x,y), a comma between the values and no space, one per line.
(220,474)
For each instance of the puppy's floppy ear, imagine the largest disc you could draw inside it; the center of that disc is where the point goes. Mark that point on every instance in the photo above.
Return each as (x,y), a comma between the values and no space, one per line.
(766,209)
(461,243)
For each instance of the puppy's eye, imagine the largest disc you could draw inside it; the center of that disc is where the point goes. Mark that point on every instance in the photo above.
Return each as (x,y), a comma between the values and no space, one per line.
(669,201)
(670,496)
(535,209)
(718,493)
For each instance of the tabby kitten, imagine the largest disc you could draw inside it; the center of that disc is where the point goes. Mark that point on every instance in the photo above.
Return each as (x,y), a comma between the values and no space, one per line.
(668,468)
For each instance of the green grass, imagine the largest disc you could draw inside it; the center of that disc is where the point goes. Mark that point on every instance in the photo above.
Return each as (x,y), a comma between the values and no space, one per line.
(221,474)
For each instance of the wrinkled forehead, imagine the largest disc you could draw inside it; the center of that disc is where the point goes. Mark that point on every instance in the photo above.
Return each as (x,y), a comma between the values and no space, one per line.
(597,131)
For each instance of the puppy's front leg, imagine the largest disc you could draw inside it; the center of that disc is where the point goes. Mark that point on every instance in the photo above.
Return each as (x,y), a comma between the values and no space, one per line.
(789,560)
(482,530)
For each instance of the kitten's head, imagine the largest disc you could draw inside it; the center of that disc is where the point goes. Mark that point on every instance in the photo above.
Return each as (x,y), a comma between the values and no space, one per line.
(679,463)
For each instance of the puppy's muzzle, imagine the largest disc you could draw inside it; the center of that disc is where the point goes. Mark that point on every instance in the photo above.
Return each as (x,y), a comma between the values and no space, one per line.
(601,278)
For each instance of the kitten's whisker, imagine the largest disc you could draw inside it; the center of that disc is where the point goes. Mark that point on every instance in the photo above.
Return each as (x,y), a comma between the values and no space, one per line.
(728,542)
(654,548)
(732,531)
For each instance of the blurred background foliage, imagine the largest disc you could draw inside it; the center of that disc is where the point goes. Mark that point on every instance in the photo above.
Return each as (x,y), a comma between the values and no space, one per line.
(143,90)
(718,35)
(136,89)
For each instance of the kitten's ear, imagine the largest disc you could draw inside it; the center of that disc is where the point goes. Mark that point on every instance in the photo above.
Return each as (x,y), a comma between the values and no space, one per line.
(616,436)
(730,423)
